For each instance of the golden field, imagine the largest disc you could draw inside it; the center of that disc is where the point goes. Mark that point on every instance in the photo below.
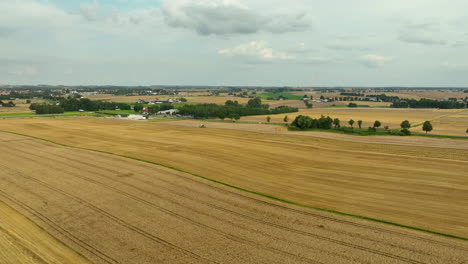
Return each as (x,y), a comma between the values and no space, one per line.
(96,207)
(445,121)
(419,186)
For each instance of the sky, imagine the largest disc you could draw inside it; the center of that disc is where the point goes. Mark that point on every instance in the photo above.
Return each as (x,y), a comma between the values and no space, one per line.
(235,42)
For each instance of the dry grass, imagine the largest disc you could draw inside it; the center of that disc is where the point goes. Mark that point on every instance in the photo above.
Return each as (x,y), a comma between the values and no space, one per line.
(19,108)
(419,186)
(117,210)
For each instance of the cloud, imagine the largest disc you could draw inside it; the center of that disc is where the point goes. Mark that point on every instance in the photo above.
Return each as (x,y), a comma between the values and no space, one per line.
(374,61)
(256,52)
(301,48)
(89,11)
(422,33)
(216,17)
(24,70)
(6,31)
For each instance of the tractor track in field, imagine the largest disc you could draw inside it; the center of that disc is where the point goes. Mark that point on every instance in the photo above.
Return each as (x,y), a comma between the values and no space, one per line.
(194,201)
(75,161)
(308,213)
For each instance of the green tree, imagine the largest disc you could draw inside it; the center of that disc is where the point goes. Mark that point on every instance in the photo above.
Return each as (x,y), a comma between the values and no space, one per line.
(153,109)
(222,116)
(268,118)
(255,103)
(138,107)
(351,122)
(405,124)
(286,119)
(237,117)
(359,122)
(427,126)
(336,122)
(377,124)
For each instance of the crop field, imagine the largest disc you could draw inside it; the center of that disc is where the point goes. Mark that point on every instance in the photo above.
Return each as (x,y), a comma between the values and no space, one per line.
(445,121)
(89,206)
(419,186)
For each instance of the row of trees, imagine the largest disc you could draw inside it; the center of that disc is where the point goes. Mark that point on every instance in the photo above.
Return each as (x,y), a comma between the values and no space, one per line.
(74,104)
(428,103)
(232,109)
(305,122)
(44,108)
(9,104)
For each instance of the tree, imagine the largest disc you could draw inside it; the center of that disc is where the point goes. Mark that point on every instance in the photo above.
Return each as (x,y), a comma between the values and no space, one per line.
(138,107)
(153,109)
(352,105)
(286,119)
(268,118)
(427,126)
(359,122)
(405,124)
(351,122)
(221,116)
(336,122)
(237,117)
(255,103)
(377,124)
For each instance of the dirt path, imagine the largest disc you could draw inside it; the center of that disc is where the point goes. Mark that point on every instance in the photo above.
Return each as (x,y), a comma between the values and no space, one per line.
(116,210)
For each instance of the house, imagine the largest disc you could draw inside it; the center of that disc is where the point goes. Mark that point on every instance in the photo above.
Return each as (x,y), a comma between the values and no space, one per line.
(168,112)
(137,117)
(158,102)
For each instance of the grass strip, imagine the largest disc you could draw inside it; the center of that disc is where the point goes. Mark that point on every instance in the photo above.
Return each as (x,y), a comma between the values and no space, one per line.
(254,192)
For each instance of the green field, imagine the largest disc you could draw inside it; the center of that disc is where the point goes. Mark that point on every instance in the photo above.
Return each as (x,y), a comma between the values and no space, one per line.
(277,96)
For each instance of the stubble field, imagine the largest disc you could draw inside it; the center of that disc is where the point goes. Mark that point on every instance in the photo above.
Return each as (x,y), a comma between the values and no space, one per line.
(445,121)
(109,209)
(419,186)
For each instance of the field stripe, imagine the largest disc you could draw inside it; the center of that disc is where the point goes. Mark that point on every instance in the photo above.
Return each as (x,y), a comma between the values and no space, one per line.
(255,192)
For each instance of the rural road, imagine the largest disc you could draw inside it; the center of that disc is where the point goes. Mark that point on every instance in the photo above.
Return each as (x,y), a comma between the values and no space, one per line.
(111,209)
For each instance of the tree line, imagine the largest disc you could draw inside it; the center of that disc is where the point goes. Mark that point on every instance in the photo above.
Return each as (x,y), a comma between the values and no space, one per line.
(428,103)
(45,108)
(303,122)
(9,104)
(232,109)
(74,104)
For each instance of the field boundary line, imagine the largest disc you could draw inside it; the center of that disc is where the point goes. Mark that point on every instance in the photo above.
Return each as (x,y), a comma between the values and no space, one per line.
(253,192)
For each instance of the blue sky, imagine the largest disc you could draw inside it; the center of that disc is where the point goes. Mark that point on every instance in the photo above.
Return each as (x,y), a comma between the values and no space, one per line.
(235,42)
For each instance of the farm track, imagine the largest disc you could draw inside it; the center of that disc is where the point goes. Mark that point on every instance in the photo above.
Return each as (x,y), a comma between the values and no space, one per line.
(70,192)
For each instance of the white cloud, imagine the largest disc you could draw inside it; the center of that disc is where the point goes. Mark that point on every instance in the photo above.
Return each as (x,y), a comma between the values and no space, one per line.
(216,17)
(374,61)
(427,33)
(256,51)
(89,11)
(24,70)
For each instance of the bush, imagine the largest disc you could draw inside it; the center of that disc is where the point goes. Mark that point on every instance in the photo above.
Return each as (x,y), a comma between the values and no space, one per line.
(405,132)
(352,105)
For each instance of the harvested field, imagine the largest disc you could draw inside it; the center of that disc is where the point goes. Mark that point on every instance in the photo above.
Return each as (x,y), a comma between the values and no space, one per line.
(116,210)
(391,117)
(419,186)
(22,241)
